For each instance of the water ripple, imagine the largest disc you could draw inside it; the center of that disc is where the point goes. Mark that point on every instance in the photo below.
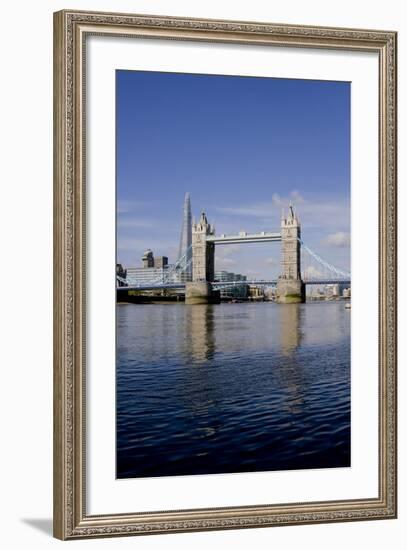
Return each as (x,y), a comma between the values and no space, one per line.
(232,388)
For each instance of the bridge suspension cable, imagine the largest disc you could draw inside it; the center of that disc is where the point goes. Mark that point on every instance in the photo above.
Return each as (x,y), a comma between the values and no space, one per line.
(172,274)
(329,267)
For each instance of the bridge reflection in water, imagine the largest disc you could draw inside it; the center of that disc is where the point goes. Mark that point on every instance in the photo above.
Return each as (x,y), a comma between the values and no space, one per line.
(232,388)
(200,324)
(201,333)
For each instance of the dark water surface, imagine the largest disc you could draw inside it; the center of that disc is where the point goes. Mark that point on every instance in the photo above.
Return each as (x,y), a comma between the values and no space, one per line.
(232,388)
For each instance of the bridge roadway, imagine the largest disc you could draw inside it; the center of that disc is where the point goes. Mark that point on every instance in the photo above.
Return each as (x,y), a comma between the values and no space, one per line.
(244,237)
(181,286)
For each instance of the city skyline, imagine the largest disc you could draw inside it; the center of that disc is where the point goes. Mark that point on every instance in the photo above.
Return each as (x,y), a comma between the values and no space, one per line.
(298,153)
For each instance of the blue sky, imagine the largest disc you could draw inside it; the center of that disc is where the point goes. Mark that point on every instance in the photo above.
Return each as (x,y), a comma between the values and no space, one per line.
(244,148)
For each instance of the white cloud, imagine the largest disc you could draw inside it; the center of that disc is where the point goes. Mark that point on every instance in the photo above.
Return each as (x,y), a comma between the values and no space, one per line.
(277,200)
(222,256)
(256,210)
(270,261)
(129,206)
(223,263)
(296,197)
(133,223)
(155,244)
(340,239)
(327,213)
(228,250)
(311,272)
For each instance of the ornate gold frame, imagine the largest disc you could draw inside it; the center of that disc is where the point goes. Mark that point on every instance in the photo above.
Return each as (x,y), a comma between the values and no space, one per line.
(70,518)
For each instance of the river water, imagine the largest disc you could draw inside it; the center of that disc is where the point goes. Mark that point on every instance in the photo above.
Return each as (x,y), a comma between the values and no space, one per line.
(232,388)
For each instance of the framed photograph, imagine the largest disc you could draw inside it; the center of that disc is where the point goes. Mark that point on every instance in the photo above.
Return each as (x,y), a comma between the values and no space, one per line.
(225,274)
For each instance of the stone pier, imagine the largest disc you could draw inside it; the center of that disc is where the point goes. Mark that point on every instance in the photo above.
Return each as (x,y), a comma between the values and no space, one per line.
(201,293)
(290,291)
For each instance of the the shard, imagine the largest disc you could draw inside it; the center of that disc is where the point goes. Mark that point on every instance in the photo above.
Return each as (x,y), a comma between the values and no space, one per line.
(185,243)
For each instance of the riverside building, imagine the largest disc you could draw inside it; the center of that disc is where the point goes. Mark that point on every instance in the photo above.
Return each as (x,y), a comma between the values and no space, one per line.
(232,292)
(154,270)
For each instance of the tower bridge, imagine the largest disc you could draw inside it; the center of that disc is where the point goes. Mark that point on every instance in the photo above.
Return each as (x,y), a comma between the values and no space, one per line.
(290,287)
(194,271)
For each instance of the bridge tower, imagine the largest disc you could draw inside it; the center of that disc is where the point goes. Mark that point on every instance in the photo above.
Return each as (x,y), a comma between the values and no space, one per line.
(199,291)
(203,252)
(290,287)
